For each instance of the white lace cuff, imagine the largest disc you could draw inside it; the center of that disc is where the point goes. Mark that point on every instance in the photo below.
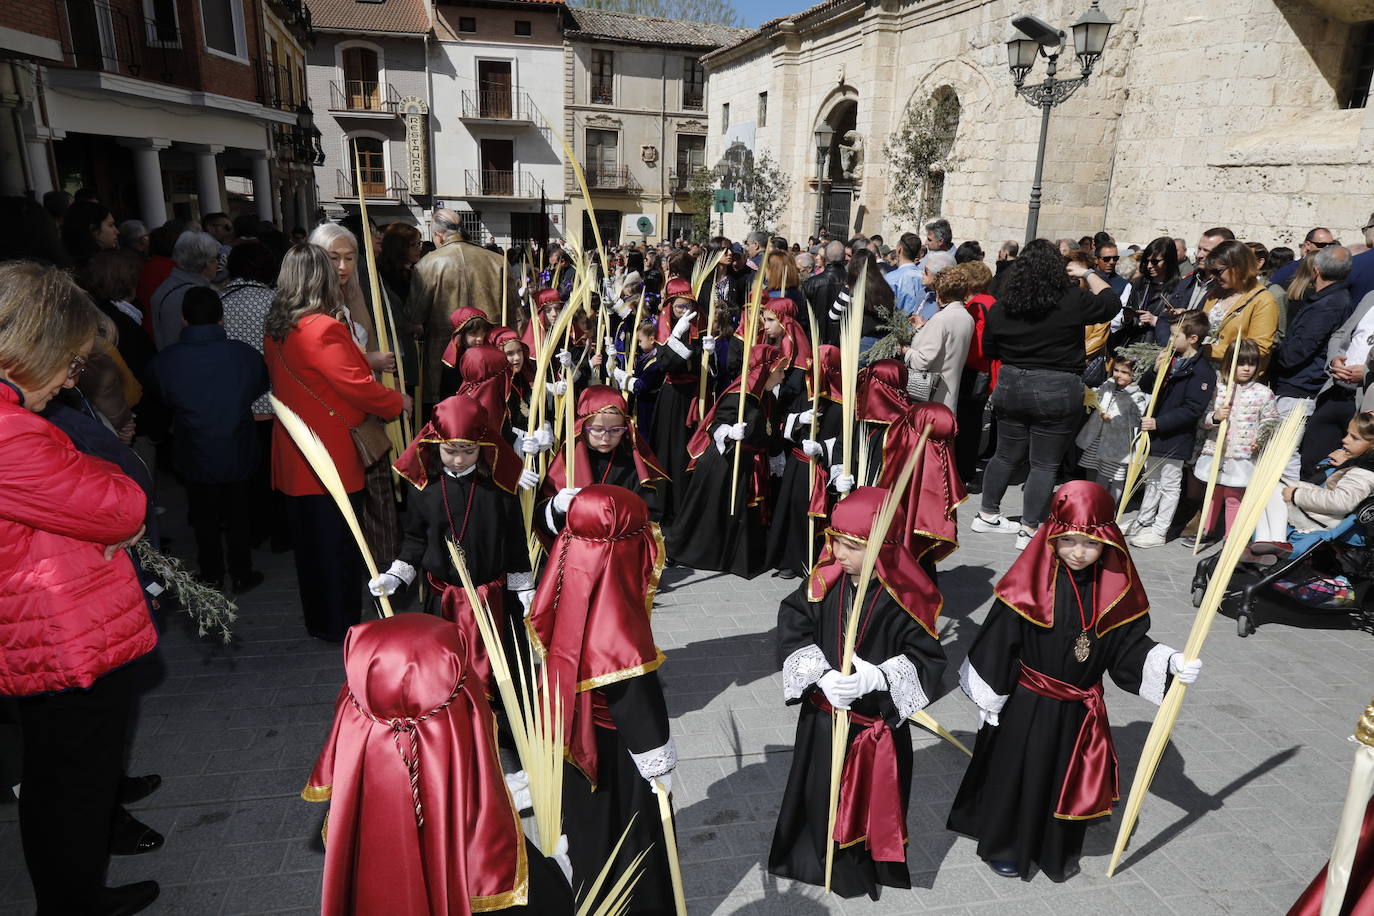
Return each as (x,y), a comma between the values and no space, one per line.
(904,683)
(659,762)
(680,348)
(801,669)
(519,581)
(403,571)
(978,690)
(1155,674)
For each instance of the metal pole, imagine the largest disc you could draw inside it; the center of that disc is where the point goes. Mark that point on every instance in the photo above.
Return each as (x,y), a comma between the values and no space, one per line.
(820,193)
(1046,103)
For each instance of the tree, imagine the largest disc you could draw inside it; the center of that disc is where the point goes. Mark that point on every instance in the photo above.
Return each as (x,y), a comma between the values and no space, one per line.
(918,154)
(763,191)
(719,12)
(699,201)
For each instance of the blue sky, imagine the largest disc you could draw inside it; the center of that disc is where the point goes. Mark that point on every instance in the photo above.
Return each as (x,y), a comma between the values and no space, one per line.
(756,12)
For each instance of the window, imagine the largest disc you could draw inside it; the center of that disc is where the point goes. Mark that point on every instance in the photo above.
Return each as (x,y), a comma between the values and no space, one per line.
(1359,67)
(763,109)
(160,17)
(371,159)
(602,156)
(725,117)
(362,90)
(524,27)
(470,221)
(467,24)
(691,155)
(223,22)
(603,77)
(693,84)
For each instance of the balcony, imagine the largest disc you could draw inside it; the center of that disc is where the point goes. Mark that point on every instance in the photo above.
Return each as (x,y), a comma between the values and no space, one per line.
(493,183)
(693,100)
(364,97)
(680,178)
(276,86)
(295,15)
(100,36)
(603,92)
(497,106)
(612,179)
(375,186)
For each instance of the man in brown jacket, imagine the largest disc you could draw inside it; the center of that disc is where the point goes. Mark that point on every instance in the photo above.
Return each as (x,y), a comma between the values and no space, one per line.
(455,274)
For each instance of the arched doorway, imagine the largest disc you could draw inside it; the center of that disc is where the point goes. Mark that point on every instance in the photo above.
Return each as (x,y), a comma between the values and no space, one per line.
(843,168)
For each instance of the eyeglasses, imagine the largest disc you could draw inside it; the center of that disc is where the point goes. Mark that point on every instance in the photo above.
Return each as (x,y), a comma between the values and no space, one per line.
(1111,257)
(607,431)
(78,366)
(1323,244)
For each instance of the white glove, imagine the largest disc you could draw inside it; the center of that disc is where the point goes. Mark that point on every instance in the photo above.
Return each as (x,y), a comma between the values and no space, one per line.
(665,782)
(385,584)
(609,341)
(1186,672)
(526,443)
(987,717)
(524,291)
(518,784)
(557,389)
(736,432)
(708,343)
(811,448)
(839,689)
(544,436)
(684,324)
(869,676)
(806,416)
(620,375)
(843,482)
(564,359)
(529,479)
(776,465)
(560,857)
(526,597)
(564,499)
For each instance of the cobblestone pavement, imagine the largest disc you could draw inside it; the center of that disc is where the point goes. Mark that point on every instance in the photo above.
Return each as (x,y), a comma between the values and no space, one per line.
(1240,817)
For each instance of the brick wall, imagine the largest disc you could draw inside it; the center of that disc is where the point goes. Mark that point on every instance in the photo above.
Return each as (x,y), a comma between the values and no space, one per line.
(36,17)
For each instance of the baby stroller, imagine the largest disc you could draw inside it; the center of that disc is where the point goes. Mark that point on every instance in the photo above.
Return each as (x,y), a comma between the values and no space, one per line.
(1326,583)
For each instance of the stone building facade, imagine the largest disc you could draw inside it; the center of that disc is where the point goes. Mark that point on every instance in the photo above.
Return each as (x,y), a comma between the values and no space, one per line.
(1251,113)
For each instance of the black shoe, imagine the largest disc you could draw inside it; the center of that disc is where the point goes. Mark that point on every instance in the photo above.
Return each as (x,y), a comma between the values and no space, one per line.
(131,837)
(136,788)
(247,583)
(1004,868)
(787,574)
(127,899)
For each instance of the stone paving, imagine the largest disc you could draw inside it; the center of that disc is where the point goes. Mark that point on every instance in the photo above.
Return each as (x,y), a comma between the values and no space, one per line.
(1240,817)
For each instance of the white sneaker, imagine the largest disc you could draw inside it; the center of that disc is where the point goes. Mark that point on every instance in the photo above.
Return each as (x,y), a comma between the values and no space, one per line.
(1022,539)
(999,525)
(1147,538)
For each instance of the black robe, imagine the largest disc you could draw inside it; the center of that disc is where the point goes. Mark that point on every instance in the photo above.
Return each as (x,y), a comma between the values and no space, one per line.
(595,818)
(799,840)
(493,542)
(709,532)
(789,527)
(616,469)
(1009,792)
(670,432)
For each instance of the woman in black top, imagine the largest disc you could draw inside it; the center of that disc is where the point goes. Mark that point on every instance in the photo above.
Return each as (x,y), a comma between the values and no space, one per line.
(1036,330)
(1148,297)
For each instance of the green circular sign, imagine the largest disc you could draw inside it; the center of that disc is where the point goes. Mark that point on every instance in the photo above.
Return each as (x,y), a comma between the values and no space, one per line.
(645,225)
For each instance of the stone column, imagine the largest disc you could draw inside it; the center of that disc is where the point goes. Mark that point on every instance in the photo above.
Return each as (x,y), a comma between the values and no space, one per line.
(207,178)
(152,200)
(262,183)
(39,172)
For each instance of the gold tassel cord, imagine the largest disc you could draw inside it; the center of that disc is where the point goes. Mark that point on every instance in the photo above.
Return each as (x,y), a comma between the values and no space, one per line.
(1268,471)
(839,729)
(1142,448)
(318,458)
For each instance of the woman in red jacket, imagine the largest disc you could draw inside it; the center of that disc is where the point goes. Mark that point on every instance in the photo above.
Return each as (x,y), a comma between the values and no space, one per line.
(319,371)
(72,614)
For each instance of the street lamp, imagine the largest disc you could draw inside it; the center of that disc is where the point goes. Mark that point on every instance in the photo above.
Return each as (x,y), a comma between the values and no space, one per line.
(1034,37)
(824,137)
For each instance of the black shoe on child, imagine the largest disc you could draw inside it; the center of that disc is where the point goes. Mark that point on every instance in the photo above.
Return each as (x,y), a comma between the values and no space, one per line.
(131,837)
(127,899)
(1004,868)
(136,788)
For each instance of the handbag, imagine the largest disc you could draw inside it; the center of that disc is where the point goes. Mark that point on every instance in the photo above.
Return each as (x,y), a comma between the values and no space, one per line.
(370,438)
(1096,371)
(920,383)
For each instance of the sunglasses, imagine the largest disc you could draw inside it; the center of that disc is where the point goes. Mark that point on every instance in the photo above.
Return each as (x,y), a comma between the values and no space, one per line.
(77,367)
(1323,244)
(1113,257)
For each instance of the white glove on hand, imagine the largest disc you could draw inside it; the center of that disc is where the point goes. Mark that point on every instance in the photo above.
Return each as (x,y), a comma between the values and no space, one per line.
(609,341)
(684,324)
(620,375)
(811,448)
(564,359)
(843,482)
(986,717)
(524,291)
(736,432)
(518,784)
(839,689)
(776,465)
(1186,672)
(529,479)
(708,343)
(806,416)
(665,782)
(526,597)
(557,389)
(385,584)
(544,437)
(526,444)
(870,677)
(560,857)
(564,499)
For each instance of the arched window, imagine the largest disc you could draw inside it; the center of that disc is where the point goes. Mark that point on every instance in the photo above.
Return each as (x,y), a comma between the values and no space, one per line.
(361,83)
(372,163)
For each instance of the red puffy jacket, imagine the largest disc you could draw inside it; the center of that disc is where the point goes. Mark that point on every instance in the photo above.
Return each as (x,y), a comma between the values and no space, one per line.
(67,615)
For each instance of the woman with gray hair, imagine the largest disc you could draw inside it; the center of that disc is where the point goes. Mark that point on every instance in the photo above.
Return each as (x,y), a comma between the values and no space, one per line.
(196,260)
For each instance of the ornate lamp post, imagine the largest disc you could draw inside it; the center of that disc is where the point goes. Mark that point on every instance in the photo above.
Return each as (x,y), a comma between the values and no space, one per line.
(824,136)
(1032,37)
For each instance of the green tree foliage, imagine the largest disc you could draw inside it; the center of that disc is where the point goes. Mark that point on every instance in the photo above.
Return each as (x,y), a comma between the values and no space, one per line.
(763,188)
(699,200)
(919,154)
(719,12)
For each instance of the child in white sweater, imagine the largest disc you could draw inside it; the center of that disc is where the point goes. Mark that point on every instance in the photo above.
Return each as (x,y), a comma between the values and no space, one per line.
(1107,436)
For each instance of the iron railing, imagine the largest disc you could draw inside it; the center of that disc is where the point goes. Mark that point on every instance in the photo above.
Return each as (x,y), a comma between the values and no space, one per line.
(296,14)
(680,177)
(693,99)
(496,183)
(276,86)
(612,179)
(603,91)
(364,95)
(497,105)
(375,185)
(101,36)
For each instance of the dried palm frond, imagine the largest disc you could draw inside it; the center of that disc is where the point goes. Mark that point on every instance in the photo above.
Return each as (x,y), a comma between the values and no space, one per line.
(208,607)
(617,898)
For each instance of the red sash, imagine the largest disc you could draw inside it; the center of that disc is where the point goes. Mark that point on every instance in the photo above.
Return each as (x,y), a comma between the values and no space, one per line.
(1090,782)
(453,605)
(870,808)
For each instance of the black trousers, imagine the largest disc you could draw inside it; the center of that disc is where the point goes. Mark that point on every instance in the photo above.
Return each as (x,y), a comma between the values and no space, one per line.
(329,568)
(221,515)
(1326,426)
(973,397)
(1038,412)
(73,763)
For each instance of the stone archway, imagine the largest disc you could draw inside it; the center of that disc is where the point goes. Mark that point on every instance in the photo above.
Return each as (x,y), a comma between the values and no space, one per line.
(838,184)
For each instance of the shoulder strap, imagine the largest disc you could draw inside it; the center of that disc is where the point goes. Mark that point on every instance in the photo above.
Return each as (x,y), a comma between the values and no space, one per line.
(296,379)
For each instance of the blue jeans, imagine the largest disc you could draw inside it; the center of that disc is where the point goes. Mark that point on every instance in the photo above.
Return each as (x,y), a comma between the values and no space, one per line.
(1037,415)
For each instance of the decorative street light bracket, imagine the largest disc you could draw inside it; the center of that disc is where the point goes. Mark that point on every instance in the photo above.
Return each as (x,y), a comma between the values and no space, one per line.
(1051,92)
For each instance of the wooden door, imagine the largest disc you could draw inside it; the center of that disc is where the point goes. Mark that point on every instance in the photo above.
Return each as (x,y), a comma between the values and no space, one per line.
(497,160)
(360,79)
(494,85)
(372,165)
